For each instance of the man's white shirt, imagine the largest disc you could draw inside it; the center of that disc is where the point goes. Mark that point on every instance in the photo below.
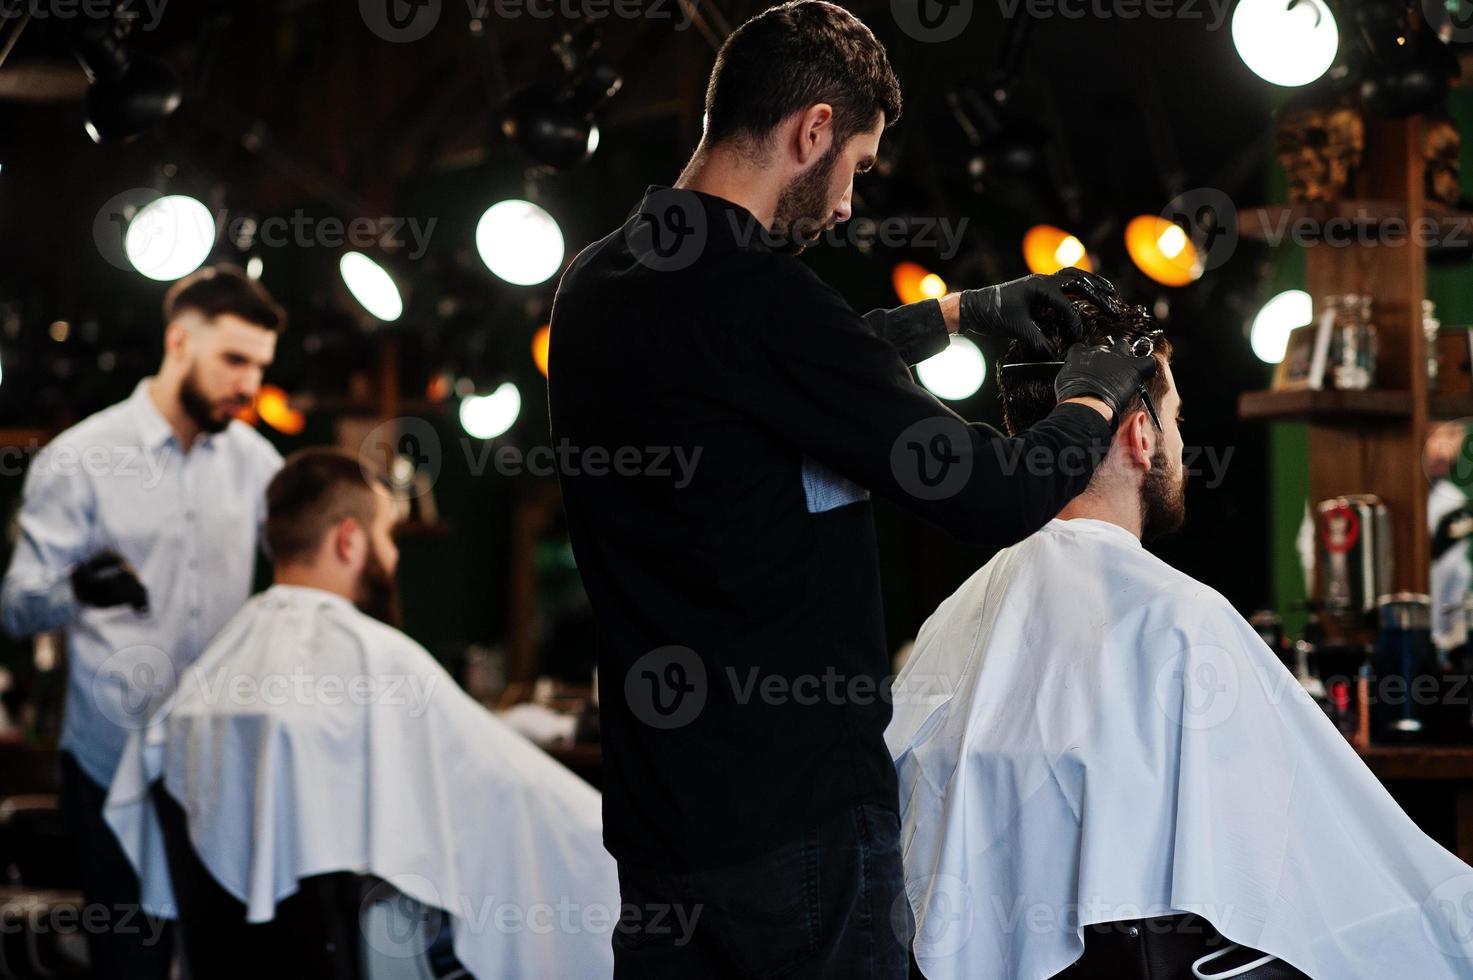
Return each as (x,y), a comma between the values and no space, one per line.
(188,523)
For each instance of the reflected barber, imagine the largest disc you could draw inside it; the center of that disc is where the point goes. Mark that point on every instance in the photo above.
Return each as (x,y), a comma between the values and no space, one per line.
(141,555)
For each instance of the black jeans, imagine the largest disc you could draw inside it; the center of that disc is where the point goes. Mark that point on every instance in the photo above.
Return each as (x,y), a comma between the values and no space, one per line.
(828,904)
(122,941)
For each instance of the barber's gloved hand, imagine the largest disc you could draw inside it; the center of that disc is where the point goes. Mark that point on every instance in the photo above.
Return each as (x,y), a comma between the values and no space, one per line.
(1111,374)
(1006,310)
(105,580)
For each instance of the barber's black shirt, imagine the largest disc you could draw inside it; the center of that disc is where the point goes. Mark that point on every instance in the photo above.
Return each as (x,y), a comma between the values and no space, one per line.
(721,418)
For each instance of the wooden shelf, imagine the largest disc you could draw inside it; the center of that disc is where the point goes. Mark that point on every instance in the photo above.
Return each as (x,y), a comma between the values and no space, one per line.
(1447,405)
(1275,222)
(1351,407)
(1419,761)
(1327,406)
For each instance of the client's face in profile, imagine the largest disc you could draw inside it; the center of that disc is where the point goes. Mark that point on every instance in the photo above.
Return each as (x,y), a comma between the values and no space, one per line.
(378,594)
(1164,487)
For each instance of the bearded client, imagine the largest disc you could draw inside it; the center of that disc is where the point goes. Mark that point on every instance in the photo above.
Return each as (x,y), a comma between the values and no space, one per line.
(313,737)
(1105,773)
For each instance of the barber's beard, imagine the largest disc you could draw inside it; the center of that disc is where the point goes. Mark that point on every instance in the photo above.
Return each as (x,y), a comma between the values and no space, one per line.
(1163,498)
(378,592)
(200,409)
(803,208)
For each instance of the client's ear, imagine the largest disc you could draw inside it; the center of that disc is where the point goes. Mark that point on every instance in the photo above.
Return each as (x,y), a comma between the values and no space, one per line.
(1137,437)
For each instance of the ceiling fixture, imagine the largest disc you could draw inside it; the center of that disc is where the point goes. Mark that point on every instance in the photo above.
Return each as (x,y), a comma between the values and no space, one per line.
(170,237)
(371,286)
(1047,249)
(1162,250)
(955,373)
(131,92)
(1286,42)
(520,242)
(553,123)
(1269,334)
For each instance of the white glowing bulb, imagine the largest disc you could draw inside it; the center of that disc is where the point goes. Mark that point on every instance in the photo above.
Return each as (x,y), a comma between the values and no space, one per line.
(1172,241)
(520,242)
(1070,251)
(169,238)
(1280,315)
(371,286)
(1283,42)
(956,372)
(488,416)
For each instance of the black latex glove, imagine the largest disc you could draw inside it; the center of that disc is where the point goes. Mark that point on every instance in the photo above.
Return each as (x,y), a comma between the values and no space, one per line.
(107,580)
(1111,374)
(1006,311)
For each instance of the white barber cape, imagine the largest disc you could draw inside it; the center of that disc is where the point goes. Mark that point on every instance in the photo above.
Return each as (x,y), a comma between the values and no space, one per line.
(311,738)
(1084,734)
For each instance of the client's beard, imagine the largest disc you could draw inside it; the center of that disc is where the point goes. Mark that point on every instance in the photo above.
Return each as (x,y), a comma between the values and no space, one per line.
(1163,499)
(803,210)
(378,593)
(200,409)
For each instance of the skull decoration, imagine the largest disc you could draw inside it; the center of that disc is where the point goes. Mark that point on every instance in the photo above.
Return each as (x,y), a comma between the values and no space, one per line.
(1441,146)
(1320,148)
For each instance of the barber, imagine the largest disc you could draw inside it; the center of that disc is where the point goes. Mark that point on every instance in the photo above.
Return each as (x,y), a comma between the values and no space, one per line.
(742,659)
(138,536)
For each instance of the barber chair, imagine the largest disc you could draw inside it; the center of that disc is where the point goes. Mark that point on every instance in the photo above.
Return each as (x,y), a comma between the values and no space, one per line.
(39,901)
(337,926)
(1178,947)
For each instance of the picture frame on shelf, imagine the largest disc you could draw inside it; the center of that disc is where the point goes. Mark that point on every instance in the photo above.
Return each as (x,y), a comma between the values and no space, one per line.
(1305,357)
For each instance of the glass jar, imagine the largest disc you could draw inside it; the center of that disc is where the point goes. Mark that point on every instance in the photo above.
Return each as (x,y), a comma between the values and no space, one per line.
(1353,344)
(1430,328)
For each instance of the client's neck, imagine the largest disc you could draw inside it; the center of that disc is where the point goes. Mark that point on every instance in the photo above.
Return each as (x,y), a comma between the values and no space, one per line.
(309,576)
(1115,507)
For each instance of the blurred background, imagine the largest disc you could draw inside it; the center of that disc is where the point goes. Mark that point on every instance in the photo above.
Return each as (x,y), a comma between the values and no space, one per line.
(358,158)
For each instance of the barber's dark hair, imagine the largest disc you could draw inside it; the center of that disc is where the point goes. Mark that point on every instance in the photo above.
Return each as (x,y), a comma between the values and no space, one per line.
(793,56)
(314,491)
(1028,400)
(224,288)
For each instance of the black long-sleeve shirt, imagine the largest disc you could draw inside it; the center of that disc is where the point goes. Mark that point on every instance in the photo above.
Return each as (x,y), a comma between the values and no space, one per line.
(742,663)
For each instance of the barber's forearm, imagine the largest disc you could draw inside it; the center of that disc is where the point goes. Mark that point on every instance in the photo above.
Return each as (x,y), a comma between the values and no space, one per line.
(951,311)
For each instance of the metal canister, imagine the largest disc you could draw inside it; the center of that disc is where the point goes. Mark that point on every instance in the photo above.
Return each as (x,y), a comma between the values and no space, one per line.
(1408,676)
(1353,560)
(1270,625)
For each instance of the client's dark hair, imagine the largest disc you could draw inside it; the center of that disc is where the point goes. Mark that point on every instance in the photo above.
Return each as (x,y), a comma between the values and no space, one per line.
(1027,400)
(313,492)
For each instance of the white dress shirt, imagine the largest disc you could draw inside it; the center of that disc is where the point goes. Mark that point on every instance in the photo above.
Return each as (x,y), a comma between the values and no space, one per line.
(311,738)
(1084,734)
(188,523)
